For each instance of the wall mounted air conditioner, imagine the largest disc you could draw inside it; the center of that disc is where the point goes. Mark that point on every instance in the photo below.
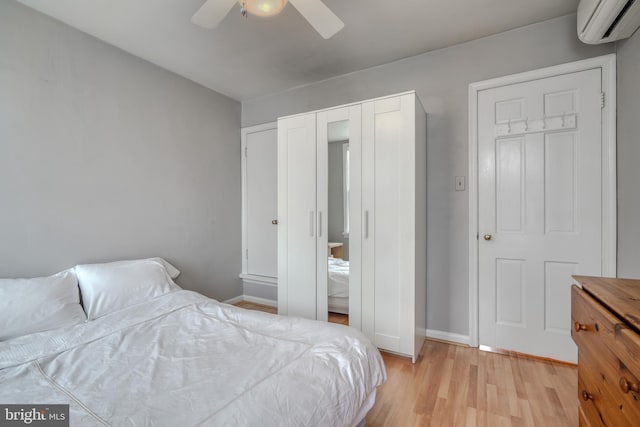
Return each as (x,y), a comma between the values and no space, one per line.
(602,21)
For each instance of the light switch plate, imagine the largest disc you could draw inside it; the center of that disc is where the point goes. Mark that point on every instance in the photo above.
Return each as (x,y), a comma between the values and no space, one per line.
(460,183)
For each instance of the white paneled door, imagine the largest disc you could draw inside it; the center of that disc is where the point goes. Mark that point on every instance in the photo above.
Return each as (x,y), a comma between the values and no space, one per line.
(261,202)
(297,216)
(539,208)
(388,223)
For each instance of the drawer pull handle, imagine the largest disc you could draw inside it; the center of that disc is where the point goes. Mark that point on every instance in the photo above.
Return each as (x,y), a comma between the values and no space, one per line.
(586,396)
(581,327)
(626,386)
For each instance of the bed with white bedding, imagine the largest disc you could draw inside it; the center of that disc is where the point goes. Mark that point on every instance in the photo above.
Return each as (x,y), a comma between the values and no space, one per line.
(338,285)
(181,359)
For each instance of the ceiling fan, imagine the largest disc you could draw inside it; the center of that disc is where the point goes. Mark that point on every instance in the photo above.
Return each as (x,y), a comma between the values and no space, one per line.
(315,11)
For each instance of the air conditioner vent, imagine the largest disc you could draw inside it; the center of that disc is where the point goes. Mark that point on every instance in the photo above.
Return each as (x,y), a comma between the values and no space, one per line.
(616,21)
(602,21)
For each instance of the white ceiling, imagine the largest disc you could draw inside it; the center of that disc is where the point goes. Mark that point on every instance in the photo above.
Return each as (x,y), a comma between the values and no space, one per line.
(248,58)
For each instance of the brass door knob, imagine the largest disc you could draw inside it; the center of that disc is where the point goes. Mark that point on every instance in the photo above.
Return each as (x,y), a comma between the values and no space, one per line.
(586,395)
(487,237)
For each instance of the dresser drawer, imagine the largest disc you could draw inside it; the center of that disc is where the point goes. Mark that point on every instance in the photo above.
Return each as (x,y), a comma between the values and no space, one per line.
(599,391)
(583,421)
(608,362)
(588,408)
(597,328)
(592,325)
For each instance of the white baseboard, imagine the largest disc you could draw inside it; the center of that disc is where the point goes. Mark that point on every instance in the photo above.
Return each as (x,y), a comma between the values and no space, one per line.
(449,336)
(259,280)
(234,300)
(263,301)
(255,300)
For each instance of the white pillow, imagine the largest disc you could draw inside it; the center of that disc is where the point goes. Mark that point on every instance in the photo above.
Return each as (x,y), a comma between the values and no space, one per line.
(171,270)
(112,286)
(39,304)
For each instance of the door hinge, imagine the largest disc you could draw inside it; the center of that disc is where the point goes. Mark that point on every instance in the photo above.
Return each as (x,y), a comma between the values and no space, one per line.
(602,98)
(246,151)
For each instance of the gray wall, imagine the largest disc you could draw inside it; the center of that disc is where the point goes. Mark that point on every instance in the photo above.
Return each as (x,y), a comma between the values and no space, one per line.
(335,214)
(104,156)
(628,157)
(441,79)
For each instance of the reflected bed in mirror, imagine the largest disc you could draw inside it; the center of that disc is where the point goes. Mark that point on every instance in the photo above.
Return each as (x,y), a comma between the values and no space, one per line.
(338,285)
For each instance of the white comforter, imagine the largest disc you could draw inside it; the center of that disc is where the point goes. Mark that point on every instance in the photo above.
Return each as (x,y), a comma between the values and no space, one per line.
(182,359)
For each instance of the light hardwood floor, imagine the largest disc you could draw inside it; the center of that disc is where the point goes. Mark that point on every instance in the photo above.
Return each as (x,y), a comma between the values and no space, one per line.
(342,319)
(453,385)
(259,307)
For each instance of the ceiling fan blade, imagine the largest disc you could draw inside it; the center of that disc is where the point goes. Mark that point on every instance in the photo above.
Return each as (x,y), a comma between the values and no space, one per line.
(212,13)
(319,16)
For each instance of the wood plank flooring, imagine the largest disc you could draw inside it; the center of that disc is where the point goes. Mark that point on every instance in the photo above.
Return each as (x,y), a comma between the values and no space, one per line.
(453,385)
(258,307)
(342,319)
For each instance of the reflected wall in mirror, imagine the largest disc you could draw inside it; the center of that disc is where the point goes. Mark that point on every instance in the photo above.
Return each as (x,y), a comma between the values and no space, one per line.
(338,221)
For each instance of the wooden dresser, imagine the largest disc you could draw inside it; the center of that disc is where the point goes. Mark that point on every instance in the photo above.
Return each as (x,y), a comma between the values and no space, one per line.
(606,327)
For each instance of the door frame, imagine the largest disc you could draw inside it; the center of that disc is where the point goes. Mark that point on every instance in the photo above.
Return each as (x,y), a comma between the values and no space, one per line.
(609,221)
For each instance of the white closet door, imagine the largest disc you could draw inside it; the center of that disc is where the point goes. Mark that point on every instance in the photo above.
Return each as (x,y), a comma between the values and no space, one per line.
(261,235)
(388,203)
(297,216)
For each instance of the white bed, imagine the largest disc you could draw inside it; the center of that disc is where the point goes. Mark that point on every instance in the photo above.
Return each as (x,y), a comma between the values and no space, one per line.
(181,359)
(338,285)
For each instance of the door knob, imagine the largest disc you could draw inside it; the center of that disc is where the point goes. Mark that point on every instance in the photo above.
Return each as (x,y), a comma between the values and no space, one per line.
(274,222)
(487,237)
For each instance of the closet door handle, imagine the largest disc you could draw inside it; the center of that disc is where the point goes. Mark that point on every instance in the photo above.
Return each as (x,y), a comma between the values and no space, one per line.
(312,223)
(319,224)
(366,224)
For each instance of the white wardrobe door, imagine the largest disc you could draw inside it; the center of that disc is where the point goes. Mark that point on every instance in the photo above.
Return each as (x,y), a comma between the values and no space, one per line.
(297,216)
(388,223)
(261,200)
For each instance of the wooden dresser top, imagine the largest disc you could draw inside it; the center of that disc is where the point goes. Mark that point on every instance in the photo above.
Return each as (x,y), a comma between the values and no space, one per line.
(621,296)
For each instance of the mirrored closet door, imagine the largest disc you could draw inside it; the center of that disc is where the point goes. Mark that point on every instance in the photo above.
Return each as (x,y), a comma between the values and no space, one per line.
(338,136)
(318,214)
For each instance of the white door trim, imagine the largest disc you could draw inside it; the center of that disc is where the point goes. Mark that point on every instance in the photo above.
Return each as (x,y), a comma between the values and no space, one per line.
(609,224)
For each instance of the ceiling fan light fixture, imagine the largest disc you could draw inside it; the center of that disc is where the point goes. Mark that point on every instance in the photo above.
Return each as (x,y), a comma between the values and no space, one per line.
(263,8)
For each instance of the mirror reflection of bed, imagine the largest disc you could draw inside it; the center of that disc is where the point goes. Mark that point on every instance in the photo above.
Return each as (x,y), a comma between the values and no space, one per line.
(338,284)
(338,222)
